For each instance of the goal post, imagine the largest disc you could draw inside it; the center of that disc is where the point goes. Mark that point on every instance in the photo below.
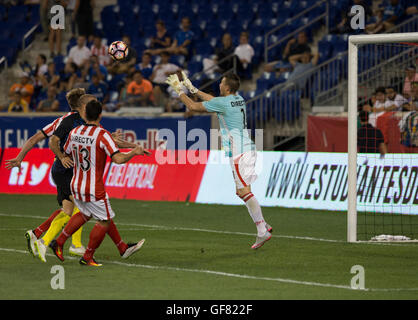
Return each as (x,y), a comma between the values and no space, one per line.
(354,42)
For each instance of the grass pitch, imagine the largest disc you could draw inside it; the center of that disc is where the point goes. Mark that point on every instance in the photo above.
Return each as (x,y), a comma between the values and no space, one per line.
(195,251)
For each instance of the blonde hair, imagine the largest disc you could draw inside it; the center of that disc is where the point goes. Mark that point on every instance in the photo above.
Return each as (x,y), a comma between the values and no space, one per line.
(73,96)
(85,98)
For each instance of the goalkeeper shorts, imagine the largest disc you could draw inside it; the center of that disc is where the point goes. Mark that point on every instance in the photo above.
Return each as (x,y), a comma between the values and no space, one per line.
(243,169)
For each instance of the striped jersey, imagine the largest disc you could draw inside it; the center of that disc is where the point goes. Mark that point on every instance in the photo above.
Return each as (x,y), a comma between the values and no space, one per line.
(232,116)
(49,129)
(89,146)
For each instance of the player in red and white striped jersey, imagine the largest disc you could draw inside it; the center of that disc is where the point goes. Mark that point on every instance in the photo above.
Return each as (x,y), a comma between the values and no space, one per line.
(46,132)
(90,145)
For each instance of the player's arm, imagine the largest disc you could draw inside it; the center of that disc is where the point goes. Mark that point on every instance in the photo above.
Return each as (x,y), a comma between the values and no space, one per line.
(193,90)
(190,104)
(29,144)
(123,157)
(54,145)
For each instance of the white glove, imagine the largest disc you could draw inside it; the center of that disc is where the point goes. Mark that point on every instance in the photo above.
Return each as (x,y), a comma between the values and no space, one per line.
(174,82)
(188,84)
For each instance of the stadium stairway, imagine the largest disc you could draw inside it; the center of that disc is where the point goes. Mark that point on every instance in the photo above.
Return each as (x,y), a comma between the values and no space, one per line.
(38,46)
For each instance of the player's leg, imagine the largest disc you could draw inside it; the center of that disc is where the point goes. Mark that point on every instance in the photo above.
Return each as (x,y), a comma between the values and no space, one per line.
(97,235)
(33,235)
(76,221)
(125,249)
(243,169)
(77,248)
(62,181)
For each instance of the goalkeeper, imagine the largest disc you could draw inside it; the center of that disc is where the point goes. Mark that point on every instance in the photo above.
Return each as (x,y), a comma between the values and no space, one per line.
(231,111)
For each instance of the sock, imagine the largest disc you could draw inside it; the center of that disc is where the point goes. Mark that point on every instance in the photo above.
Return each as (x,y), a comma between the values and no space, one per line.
(72,226)
(255,212)
(113,233)
(97,235)
(76,237)
(55,228)
(45,225)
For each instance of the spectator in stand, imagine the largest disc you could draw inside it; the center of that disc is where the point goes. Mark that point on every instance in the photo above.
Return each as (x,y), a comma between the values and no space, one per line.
(296,46)
(183,40)
(51,78)
(412,104)
(394,101)
(369,138)
(139,91)
(79,54)
(387,17)
(100,50)
(161,41)
(227,49)
(50,104)
(25,88)
(145,65)
(83,16)
(245,53)
(411,76)
(54,38)
(18,103)
(69,77)
(302,63)
(159,75)
(98,88)
(344,25)
(93,66)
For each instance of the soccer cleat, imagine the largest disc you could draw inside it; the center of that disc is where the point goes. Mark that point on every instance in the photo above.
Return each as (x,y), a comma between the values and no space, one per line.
(56,249)
(41,248)
(77,251)
(91,263)
(269,228)
(261,240)
(132,248)
(31,238)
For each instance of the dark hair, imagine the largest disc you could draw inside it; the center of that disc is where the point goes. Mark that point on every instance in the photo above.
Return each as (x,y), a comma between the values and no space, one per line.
(43,57)
(137,71)
(381,90)
(232,81)
(73,96)
(391,87)
(364,116)
(165,53)
(93,110)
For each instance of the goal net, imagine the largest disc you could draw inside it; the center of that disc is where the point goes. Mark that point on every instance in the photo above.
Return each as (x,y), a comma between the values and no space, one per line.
(383,137)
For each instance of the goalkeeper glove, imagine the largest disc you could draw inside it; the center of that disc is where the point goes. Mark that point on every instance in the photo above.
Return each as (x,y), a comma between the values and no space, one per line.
(174,82)
(188,84)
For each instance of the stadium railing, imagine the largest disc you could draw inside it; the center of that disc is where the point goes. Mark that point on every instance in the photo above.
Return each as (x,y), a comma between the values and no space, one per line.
(3,61)
(286,36)
(29,35)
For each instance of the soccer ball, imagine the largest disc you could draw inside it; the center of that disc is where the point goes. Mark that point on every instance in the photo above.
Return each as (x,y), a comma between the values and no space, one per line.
(118,50)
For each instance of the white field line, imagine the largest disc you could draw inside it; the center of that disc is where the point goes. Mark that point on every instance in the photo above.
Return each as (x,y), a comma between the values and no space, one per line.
(227,274)
(220,232)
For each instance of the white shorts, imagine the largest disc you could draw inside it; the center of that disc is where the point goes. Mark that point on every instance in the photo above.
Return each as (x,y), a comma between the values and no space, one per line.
(99,210)
(243,169)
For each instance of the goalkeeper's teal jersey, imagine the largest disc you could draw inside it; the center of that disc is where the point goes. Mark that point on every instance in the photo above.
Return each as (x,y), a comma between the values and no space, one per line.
(231,112)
